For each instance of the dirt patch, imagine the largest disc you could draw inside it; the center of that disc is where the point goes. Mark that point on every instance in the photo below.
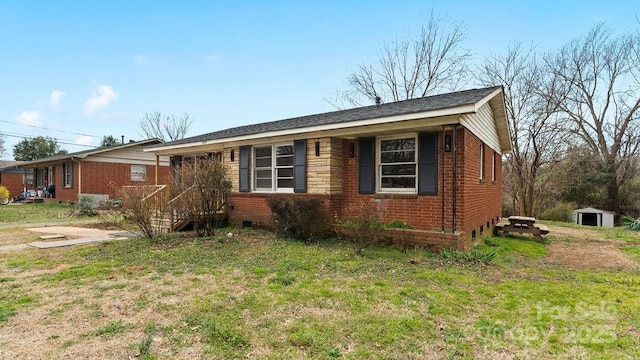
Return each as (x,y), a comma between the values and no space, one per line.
(586,249)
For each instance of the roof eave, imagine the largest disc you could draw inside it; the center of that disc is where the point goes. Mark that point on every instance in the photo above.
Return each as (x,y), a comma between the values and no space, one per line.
(458,110)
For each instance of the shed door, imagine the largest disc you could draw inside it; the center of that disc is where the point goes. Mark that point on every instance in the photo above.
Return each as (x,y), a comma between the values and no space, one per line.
(590,219)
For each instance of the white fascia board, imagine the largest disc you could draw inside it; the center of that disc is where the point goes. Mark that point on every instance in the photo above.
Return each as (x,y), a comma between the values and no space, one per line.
(463,109)
(486,99)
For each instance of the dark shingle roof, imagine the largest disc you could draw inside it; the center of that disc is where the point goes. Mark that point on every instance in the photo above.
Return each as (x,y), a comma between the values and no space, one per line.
(430,103)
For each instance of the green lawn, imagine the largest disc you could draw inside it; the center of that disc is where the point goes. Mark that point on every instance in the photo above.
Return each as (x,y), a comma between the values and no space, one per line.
(32,212)
(258,296)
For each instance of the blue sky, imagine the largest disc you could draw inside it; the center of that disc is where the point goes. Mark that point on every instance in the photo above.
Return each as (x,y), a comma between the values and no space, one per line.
(78,70)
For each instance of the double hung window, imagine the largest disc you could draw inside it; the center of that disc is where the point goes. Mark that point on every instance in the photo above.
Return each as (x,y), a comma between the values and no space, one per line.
(273,168)
(397,171)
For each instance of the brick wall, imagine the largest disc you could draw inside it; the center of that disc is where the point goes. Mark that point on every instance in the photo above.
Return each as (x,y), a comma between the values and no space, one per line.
(482,205)
(252,207)
(103,178)
(477,203)
(12,180)
(422,212)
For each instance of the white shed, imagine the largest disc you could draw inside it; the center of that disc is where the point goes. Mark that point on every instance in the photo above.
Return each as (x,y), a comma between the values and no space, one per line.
(593,217)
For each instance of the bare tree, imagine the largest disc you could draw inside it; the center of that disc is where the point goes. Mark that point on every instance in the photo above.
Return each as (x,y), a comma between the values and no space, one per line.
(165,127)
(536,143)
(406,69)
(201,193)
(599,96)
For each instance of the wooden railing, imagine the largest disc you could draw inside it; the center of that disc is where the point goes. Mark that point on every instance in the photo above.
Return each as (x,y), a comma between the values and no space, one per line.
(157,199)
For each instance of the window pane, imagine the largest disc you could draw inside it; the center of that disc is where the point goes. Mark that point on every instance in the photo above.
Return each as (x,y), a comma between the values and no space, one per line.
(285,183)
(264,162)
(263,152)
(398,182)
(285,172)
(408,169)
(398,144)
(263,174)
(284,161)
(263,183)
(398,156)
(284,150)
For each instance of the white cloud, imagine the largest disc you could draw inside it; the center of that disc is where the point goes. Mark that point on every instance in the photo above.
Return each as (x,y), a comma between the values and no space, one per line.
(56,97)
(83,140)
(103,95)
(30,118)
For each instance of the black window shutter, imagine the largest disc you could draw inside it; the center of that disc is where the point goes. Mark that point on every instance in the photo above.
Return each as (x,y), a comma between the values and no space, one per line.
(300,166)
(71,177)
(244,169)
(428,164)
(366,166)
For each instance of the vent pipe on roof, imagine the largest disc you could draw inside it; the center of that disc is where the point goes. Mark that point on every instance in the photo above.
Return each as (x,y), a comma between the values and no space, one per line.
(122,138)
(378,100)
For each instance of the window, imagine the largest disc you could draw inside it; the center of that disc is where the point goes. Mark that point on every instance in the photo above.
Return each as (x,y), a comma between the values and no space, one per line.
(28,178)
(273,168)
(40,177)
(138,172)
(67,175)
(493,168)
(397,164)
(481,162)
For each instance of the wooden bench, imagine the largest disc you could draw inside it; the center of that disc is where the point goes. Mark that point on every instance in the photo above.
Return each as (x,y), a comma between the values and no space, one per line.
(523,225)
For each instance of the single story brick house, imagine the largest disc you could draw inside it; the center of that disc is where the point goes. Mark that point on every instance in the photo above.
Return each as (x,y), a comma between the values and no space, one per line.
(433,163)
(13,178)
(101,171)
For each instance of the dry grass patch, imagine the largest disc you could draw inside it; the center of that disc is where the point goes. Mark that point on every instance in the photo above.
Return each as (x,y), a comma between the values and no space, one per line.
(256,296)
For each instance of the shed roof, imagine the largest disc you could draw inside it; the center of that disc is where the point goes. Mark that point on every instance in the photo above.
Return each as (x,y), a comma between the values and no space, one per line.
(593,211)
(455,100)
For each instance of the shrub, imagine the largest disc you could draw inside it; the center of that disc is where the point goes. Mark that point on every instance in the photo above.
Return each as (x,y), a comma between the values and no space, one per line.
(361,224)
(4,195)
(560,212)
(85,206)
(631,223)
(298,218)
(201,194)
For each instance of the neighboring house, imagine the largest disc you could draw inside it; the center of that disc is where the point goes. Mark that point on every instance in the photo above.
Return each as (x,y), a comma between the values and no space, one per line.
(100,171)
(594,217)
(401,158)
(14,178)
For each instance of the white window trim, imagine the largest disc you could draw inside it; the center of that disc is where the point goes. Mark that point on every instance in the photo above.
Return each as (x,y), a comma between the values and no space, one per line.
(274,179)
(481,161)
(68,176)
(144,174)
(378,164)
(493,168)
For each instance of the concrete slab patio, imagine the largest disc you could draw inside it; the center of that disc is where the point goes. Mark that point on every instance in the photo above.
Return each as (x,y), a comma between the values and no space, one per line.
(82,236)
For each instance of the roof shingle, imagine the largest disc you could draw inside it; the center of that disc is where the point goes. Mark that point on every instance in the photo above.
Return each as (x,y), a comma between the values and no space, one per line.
(429,103)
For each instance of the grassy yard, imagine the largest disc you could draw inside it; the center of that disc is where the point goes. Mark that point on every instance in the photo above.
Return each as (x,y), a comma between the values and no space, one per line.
(258,296)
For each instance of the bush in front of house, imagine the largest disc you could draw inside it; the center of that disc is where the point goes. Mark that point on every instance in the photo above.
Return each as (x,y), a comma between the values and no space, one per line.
(4,195)
(361,223)
(560,212)
(298,217)
(85,206)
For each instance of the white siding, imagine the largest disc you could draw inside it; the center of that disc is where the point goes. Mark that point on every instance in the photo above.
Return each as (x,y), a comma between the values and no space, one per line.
(483,125)
(132,155)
